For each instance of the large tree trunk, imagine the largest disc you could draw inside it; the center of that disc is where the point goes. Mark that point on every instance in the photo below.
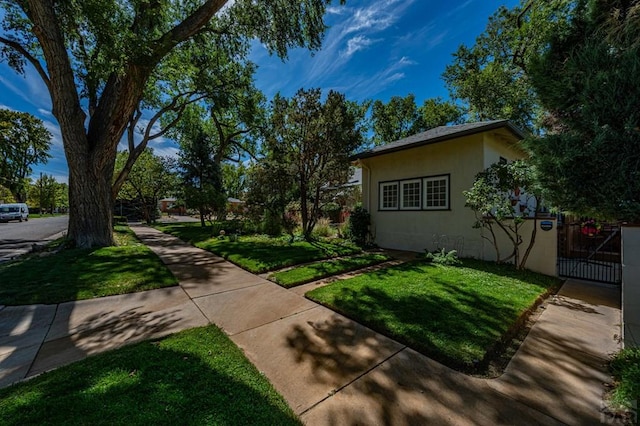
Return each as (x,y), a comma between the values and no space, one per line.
(91,152)
(90,211)
(90,201)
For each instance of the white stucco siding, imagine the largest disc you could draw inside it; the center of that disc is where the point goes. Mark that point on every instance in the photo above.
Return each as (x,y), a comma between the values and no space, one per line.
(500,144)
(460,159)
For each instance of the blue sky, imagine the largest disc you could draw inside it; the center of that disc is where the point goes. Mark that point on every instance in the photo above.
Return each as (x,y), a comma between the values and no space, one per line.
(372,50)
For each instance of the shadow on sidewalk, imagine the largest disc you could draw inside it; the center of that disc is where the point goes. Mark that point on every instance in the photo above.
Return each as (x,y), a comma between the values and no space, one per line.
(556,377)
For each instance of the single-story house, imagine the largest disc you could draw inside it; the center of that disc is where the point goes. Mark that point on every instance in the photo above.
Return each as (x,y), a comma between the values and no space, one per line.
(413,189)
(168,205)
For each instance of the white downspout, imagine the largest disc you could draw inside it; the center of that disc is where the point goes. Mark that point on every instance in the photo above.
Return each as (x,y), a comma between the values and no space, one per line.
(361,164)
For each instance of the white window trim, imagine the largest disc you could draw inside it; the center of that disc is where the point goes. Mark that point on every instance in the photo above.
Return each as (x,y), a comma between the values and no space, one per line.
(401,193)
(424,192)
(381,195)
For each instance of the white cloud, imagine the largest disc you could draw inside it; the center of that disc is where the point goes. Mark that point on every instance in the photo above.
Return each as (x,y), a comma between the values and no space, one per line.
(458,8)
(405,61)
(45,112)
(21,93)
(367,86)
(6,107)
(336,10)
(356,43)
(167,151)
(56,134)
(353,32)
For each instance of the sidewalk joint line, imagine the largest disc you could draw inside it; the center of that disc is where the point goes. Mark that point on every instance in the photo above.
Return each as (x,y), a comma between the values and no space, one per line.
(44,339)
(222,292)
(272,321)
(335,391)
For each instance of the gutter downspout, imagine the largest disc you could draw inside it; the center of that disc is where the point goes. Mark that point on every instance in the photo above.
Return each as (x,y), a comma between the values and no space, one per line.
(362,165)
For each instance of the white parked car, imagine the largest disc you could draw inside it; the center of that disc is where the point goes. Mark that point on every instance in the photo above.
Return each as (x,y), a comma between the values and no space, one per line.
(15,211)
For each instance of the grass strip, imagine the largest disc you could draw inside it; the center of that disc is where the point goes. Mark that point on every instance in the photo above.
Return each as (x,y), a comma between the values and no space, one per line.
(260,253)
(455,314)
(625,368)
(315,271)
(195,377)
(76,274)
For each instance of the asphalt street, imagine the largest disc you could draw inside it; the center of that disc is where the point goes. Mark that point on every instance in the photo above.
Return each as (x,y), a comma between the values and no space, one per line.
(18,237)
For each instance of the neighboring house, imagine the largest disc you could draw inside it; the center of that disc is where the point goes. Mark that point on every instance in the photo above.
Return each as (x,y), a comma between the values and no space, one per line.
(236,206)
(168,205)
(413,189)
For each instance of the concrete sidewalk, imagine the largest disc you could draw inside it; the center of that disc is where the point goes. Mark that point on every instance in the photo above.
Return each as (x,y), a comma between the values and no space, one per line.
(330,369)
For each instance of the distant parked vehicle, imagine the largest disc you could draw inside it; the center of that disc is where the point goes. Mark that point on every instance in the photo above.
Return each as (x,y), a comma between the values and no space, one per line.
(16,211)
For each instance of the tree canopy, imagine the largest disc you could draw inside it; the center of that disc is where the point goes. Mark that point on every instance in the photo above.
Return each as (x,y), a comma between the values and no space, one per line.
(311,141)
(401,117)
(100,59)
(150,178)
(24,142)
(200,173)
(589,160)
(491,76)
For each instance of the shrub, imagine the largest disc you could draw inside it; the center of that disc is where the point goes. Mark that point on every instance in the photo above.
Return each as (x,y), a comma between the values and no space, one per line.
(359,222)
(343,229)
(443,257)
(323,228)
(290,223)
(272,224)
(120,220)
(332,211)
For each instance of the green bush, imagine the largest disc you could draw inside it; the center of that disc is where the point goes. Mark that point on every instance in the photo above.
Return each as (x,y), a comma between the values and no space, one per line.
(443,258)
(120,220)
(332,211)
(272,224)
(358,228)
(323,228)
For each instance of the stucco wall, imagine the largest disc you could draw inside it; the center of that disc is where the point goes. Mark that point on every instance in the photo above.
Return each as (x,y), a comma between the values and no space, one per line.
(631,285)
(414,230)
(500,144)
(543,255)
(461,159)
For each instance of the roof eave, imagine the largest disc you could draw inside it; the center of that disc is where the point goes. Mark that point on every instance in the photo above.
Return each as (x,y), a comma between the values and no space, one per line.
(492,126)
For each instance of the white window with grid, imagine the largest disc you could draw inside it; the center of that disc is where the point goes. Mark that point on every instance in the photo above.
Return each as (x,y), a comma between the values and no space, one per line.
(389,196)
(410,194)
(436,193)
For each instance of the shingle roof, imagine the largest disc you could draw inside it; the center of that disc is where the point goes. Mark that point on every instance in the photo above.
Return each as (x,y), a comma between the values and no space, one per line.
(439,134)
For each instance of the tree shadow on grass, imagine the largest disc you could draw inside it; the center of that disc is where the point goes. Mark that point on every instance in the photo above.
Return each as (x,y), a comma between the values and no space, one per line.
(263,256)
(150,383)
(553,375)
(447,330)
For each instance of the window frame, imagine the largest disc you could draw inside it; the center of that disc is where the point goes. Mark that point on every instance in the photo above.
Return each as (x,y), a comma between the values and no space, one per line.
(402,196)
(381,186)
(398,183)
(447,192)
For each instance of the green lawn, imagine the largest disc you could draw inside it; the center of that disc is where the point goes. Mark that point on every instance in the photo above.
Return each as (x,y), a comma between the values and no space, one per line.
(457,315)
(315,271)
(625,368)
(196,377)
(76,274)
(39,215)
(260,253)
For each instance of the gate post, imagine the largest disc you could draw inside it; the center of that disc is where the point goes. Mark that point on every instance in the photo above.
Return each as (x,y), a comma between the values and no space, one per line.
(631,285)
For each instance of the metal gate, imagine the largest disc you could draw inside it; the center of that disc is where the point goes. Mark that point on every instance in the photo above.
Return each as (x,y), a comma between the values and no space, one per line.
(590,251)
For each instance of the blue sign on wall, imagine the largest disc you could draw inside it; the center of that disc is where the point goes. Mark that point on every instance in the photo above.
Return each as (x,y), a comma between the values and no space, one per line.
(546,225)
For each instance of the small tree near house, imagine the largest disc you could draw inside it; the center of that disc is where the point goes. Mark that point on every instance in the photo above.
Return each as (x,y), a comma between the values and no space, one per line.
(502,197)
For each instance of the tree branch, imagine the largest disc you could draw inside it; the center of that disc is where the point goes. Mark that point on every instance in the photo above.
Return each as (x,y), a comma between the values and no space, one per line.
(21,50)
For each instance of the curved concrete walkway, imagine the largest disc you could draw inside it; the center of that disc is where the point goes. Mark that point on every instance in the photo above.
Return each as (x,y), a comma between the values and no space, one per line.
(332,370)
